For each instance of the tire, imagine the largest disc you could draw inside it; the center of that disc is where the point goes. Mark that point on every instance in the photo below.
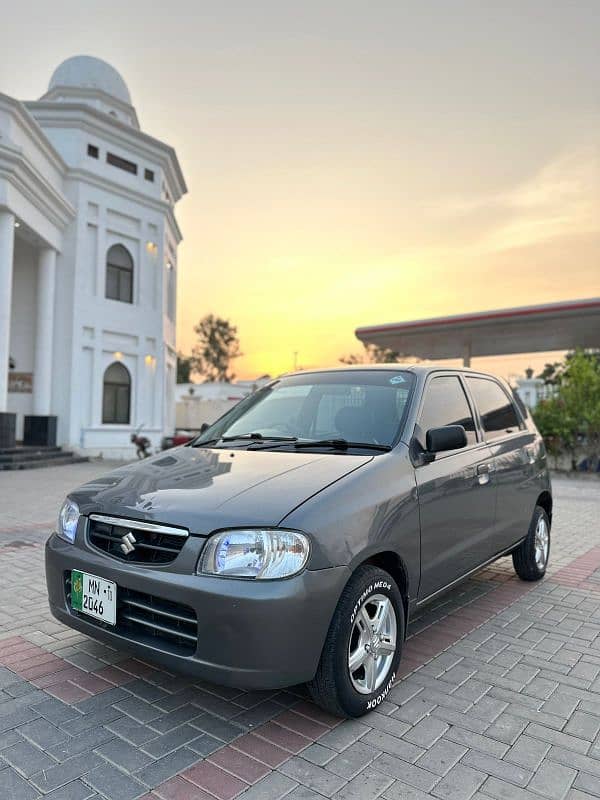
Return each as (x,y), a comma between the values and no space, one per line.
(370,596)
(530,559)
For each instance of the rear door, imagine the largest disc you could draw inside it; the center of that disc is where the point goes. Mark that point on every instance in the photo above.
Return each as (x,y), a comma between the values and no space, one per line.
(457,491)
(512,447)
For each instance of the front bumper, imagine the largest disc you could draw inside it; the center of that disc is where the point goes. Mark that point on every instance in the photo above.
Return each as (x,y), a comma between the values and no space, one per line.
(251,634)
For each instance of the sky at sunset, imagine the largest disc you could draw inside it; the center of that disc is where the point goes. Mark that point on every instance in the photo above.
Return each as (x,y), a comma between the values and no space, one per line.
(352,163)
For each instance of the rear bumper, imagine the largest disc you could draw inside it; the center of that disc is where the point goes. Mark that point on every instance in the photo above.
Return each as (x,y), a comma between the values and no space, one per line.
(255,635)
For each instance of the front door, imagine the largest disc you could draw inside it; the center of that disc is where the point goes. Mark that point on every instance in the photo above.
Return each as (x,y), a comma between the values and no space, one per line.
(457,491)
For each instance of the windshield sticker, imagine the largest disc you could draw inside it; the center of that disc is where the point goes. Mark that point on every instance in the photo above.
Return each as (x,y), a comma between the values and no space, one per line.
(397,379)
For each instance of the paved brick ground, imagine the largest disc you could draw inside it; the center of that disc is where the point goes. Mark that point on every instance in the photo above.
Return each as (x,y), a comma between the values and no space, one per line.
(499,695)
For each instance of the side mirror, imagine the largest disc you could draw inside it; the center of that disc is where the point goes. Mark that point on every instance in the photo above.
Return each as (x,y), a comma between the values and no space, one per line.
(450,437)
(204,427)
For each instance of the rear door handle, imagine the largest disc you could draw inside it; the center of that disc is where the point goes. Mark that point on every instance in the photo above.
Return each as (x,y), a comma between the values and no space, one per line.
(530,454)
(483,473)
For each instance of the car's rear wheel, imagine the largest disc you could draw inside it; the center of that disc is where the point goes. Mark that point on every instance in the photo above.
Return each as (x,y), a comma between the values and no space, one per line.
(363,646)
(530,559)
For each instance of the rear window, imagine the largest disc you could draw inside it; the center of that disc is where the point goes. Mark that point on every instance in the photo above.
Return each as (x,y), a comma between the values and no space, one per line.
(498,415)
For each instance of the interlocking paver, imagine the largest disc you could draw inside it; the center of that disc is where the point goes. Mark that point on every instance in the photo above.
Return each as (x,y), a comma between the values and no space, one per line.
(319,755)
(158,771)
(239,764)
(402,770)
(215,780)
(123,755)
(553,780)
(273,787)
(113,783)
(516,699)
(391,744)
(442,756)
(402,791)
(527,752)
(460,783)
(498,768)
(583,725)
(43,733)
(352,760)
(76,790)
(13,786)
(65,772)
(367,785)
(27,758)
(167,742)
(426,732)
(316,778)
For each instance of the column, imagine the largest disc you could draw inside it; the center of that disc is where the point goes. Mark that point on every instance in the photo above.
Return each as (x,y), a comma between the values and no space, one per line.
(7,238)
(467,355)
(44,336)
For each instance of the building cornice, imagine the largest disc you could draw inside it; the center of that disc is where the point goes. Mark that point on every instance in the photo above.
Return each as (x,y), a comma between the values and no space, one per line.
(82,116)
(19,171)
(84,91)
(32,127)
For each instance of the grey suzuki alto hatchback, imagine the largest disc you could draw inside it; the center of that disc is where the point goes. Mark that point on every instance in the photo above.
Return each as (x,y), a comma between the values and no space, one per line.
(293,539)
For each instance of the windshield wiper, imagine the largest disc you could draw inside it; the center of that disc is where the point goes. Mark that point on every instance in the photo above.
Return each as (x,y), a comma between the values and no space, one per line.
(342,444)
(246,437)
(259,438)
(336,444)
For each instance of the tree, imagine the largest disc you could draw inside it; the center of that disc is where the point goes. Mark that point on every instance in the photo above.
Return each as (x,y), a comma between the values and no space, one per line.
(217,346)
(184,368)
(373,354)
(570,421)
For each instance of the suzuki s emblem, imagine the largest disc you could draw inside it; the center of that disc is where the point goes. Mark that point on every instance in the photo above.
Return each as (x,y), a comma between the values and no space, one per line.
(128,543)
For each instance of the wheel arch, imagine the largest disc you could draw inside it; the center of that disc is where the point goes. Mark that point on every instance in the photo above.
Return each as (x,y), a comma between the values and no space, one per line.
(545,501)
(392,563)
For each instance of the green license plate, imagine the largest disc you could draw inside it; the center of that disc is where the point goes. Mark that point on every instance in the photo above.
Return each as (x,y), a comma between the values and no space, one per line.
(94,596)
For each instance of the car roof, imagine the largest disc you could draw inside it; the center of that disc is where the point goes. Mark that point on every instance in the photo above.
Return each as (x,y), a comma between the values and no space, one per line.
(417,369)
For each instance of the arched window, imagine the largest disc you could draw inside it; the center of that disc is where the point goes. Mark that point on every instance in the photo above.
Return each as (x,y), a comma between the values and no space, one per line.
(119,274)
(116,394)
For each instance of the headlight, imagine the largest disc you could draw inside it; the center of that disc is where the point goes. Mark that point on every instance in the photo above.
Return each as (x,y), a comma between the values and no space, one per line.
(260,554)
(67,520)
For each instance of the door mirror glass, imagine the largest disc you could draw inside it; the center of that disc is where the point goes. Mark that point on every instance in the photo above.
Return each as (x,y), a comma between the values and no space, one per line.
(449,437)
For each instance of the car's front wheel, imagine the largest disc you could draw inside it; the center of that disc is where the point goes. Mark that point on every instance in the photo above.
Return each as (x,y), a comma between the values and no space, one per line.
(530,559)
(363,646)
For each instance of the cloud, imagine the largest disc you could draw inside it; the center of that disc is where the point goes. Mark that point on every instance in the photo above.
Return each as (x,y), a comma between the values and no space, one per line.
(562,199)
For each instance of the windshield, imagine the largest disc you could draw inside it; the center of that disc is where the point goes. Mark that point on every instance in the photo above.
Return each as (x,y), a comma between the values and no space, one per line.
(358,406)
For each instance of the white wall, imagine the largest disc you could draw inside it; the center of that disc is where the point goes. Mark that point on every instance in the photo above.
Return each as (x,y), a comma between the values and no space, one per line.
(23,324)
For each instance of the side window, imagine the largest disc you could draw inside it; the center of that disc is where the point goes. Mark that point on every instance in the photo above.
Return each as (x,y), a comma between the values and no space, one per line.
(498,415)
(119,274)
(446,404)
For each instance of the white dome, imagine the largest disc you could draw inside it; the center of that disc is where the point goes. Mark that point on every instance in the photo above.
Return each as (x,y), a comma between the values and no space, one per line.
(90,73)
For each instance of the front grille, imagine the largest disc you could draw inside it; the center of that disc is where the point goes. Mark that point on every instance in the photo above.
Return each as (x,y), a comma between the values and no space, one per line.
(135,541)
(149,620)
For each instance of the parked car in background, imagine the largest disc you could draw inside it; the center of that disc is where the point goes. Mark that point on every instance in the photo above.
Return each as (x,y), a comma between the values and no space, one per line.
(294,538)
(178,438)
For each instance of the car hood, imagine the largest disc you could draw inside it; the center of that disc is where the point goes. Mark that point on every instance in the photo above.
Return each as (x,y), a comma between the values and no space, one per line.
(205,489)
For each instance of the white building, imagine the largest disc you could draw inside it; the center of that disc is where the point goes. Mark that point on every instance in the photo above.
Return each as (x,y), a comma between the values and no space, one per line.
(88,265)
(531,390)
